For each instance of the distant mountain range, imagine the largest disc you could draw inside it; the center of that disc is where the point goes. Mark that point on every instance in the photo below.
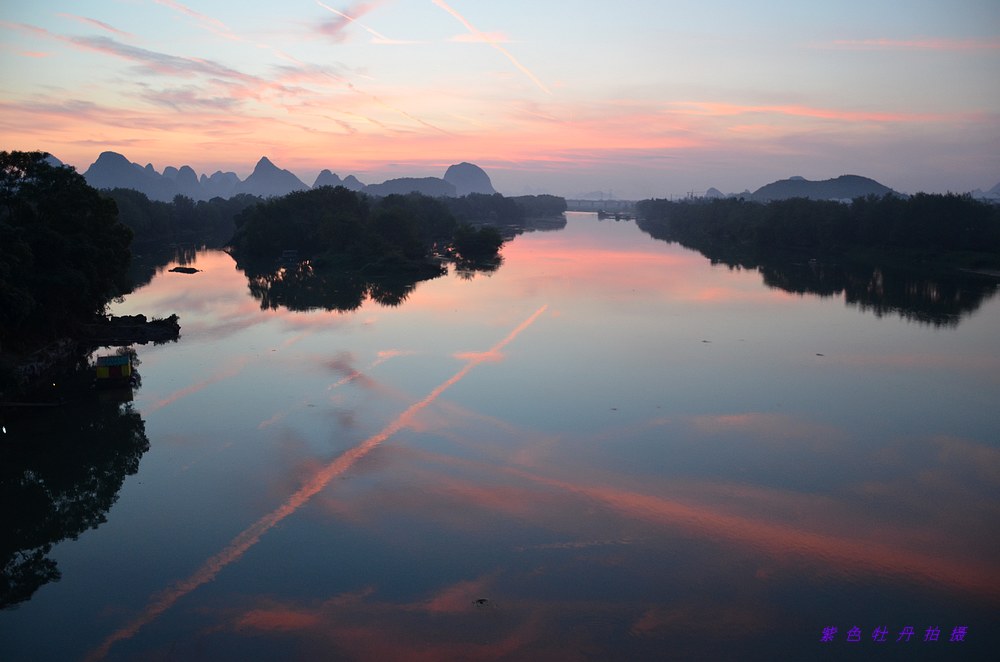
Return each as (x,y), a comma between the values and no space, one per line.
(993,195)
(113,170)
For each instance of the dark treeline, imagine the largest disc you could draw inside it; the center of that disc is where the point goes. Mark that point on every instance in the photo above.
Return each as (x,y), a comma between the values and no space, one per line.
(924,224)
(872,252)
(339,227)
(63,253)
(500,210)
(333,248)
(211,222)
(182,220)
(541,206)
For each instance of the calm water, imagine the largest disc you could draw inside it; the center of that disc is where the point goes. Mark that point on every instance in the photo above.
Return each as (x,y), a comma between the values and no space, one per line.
(607,449)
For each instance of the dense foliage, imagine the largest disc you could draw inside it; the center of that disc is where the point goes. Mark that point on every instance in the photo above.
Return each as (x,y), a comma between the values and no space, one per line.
(345,228)
(63,253)
(497,209)
(924,223)
(476,244)
(540,206)
(483,208)
(182,220)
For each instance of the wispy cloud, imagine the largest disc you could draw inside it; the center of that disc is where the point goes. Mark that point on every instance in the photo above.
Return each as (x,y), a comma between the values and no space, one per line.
(335,27)
(98,24)
(212,24)
(488,39)
(189,97)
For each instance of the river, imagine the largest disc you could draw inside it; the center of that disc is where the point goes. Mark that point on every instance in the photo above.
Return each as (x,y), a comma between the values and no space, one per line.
(608,448)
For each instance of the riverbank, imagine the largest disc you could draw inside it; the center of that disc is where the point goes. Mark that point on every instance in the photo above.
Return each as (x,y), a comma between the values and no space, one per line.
(24,373)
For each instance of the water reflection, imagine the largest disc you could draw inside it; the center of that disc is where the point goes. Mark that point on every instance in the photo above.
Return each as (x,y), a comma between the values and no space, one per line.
(935,296)
(148,260)
(317,482)
(610,485)
(305,286)
(61,470)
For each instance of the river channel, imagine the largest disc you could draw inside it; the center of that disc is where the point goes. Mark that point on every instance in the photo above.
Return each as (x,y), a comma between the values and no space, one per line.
(607,449)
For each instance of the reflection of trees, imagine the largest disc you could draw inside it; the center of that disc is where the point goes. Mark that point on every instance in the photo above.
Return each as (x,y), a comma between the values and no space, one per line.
(469,269)
(938,297)
(306,286)
(150,259)
(60,473)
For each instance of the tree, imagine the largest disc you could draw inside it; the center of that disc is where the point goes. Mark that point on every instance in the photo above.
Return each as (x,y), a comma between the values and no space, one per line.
(470,244)
(63,254)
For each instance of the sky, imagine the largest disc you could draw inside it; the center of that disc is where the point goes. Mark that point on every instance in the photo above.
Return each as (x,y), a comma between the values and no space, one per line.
(634,99)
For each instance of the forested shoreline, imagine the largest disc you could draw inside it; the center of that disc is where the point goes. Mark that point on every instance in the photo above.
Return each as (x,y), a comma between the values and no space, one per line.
(942,227)
(68,248)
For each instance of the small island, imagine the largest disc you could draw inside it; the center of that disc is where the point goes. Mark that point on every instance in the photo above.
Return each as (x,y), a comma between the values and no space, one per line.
(332,247)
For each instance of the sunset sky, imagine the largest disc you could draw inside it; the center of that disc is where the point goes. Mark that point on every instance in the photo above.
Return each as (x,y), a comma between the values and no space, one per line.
(637,98)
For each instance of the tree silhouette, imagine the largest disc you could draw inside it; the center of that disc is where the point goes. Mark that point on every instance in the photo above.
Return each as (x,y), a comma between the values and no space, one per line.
(64,255)
(59,476)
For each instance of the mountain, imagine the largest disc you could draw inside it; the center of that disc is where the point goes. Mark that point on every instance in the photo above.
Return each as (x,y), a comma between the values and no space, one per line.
(186,180)
(267,180)
(992,195)
(430,186)
(351,182)
(845,187)
(469,178)
(327,178)
(714,193)
(112,170)
(219,185)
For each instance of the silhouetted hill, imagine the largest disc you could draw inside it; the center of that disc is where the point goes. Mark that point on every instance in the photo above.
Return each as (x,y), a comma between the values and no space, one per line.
(327,178)
(469,178)
(112,170)
(845,187)
(268,180)
(186,181)
(219,185)
(995,190)
(714,193)
(351,183)
(430,186)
